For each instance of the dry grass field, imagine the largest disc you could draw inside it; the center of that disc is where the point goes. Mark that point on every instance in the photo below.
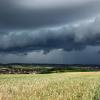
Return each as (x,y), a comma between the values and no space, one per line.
(59,86)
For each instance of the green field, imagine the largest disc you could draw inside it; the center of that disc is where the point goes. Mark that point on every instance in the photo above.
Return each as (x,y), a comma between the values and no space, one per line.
(59,86)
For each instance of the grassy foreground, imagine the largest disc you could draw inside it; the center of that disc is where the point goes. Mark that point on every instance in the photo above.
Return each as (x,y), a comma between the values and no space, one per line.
(59,86)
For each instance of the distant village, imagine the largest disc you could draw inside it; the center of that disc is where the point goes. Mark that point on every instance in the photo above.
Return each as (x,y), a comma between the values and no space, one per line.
(45,68)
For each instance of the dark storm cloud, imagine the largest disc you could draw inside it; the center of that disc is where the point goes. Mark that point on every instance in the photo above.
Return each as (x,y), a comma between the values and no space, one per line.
(67,29)
(14,16)
(69,38)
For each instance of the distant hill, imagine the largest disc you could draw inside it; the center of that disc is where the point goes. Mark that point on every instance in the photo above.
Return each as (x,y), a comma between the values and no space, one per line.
(50,65)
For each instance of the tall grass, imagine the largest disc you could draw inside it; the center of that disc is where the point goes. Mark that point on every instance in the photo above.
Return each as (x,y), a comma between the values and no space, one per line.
(63,86)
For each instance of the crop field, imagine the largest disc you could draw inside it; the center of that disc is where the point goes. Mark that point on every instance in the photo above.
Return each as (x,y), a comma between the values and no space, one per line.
(56,86)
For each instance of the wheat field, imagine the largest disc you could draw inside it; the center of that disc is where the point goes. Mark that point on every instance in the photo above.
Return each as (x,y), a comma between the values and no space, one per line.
(58,86)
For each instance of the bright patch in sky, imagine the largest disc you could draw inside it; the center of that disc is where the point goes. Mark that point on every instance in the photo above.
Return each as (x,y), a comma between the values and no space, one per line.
(38,4)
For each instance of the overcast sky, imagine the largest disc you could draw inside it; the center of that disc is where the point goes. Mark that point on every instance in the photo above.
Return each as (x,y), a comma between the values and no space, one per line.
(50,31)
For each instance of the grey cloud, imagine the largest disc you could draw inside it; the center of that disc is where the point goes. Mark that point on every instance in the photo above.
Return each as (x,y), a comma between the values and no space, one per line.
(14,17)
(69,38)
(87,56)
